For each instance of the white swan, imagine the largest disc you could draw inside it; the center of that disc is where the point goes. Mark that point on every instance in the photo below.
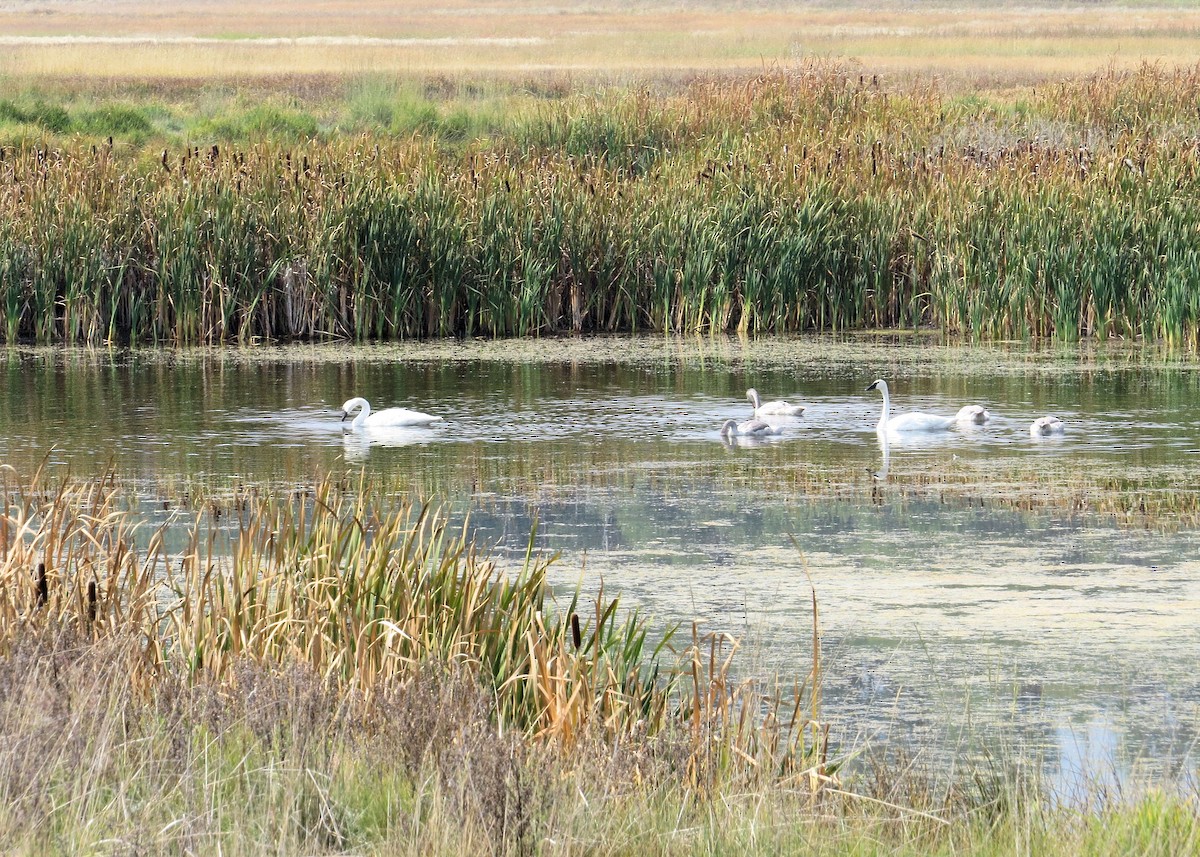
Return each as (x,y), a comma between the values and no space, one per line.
(1043,426)
(749,428)
(772,409)
(913,421)
(389,418)
(972,415)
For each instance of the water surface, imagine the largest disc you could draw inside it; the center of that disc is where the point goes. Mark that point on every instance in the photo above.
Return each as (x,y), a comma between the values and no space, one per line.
(993,594)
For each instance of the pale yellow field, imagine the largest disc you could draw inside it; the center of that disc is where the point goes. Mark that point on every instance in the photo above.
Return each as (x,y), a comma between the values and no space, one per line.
(985,43)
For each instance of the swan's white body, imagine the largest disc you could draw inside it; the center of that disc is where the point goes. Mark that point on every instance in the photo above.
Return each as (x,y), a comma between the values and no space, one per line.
(1043,426)
(389,418)
(972,415)
(772,409)
(749,428)
(912,421)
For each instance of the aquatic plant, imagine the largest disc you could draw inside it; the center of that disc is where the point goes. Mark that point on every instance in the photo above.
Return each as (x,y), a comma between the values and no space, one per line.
(804,200)
(366,594)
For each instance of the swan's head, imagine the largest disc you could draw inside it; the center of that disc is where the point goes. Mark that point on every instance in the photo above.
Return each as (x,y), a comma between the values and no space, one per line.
(878,384)
(729,428)
(752,395)
(352,405)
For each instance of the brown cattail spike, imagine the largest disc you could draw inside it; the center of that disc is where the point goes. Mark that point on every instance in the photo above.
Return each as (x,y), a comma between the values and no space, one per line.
(576,636)
(43,586)
(91,601)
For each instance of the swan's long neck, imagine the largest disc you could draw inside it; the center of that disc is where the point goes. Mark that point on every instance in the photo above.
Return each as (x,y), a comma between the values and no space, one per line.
(364,411)
(887,404)
(754,400)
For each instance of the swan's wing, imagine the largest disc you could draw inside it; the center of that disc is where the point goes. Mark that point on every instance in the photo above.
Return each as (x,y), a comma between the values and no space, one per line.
(393,417)
(917,421)
(781,409)
(754,427)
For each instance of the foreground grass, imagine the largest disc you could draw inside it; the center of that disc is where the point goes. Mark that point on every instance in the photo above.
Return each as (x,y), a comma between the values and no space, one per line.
(346,676)
(813,200)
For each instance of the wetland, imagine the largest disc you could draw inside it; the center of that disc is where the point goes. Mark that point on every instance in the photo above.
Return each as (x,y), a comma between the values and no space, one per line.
(987,595)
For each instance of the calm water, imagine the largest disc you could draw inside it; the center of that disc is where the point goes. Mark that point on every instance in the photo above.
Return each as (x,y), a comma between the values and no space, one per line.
(948,614)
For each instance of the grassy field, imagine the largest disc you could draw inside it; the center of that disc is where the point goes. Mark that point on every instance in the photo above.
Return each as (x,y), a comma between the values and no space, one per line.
(350,676)
(970,45)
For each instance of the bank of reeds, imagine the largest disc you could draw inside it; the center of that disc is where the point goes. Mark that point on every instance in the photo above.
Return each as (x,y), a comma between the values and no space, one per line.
(353,613)
(333,671)
(813,199)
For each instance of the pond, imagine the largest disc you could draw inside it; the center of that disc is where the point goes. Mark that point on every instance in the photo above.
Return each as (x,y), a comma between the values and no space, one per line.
(986,594)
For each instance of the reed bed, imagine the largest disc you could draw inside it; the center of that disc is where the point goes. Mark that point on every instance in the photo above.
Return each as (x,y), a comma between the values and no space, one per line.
(336,671)
(813,200)
(372,597)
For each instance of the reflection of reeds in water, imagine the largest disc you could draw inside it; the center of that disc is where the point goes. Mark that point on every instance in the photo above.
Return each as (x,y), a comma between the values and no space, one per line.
(366,595)
(1159,497)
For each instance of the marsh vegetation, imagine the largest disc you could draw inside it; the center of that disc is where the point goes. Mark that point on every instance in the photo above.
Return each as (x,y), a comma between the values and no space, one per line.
(232,639)
(348,674)
(811,200)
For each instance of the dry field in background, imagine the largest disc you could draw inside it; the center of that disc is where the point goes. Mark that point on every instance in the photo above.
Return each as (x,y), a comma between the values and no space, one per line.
(976,45)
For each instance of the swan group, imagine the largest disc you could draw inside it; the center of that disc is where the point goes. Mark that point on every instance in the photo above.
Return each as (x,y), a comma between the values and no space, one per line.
(385,419)
(913,421)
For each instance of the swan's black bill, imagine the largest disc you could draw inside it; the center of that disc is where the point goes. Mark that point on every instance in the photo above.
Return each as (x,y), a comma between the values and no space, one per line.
(874,384)
(345,416)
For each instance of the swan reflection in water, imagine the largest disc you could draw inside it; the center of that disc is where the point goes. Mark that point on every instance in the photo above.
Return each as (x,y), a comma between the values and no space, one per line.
(356,446)
(881,475)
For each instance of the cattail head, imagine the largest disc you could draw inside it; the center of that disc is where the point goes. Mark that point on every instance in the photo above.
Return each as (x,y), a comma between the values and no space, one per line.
(43,586)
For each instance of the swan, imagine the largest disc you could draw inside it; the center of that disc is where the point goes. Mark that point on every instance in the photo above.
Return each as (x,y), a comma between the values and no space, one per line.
(772,409)
(749,428)
(389,418)
(913,421)
(972,415)
(1043,426)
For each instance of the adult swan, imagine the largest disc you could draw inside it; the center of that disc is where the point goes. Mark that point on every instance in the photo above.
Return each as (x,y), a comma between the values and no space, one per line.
(912,421)
(772,409)
(389,418)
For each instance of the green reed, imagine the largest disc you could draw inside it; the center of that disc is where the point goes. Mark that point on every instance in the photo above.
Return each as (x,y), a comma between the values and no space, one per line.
(368,593)
(806,200)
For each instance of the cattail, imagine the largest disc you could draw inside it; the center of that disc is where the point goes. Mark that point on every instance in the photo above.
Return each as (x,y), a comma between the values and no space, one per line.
(576,635)
(91,601)
(43,586)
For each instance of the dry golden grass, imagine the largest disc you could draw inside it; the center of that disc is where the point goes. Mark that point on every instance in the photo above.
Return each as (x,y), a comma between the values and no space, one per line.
(972,44)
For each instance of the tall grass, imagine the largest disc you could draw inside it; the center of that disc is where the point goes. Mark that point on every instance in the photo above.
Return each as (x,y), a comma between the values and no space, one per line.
(366,593)
(807,200)
(332,671)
